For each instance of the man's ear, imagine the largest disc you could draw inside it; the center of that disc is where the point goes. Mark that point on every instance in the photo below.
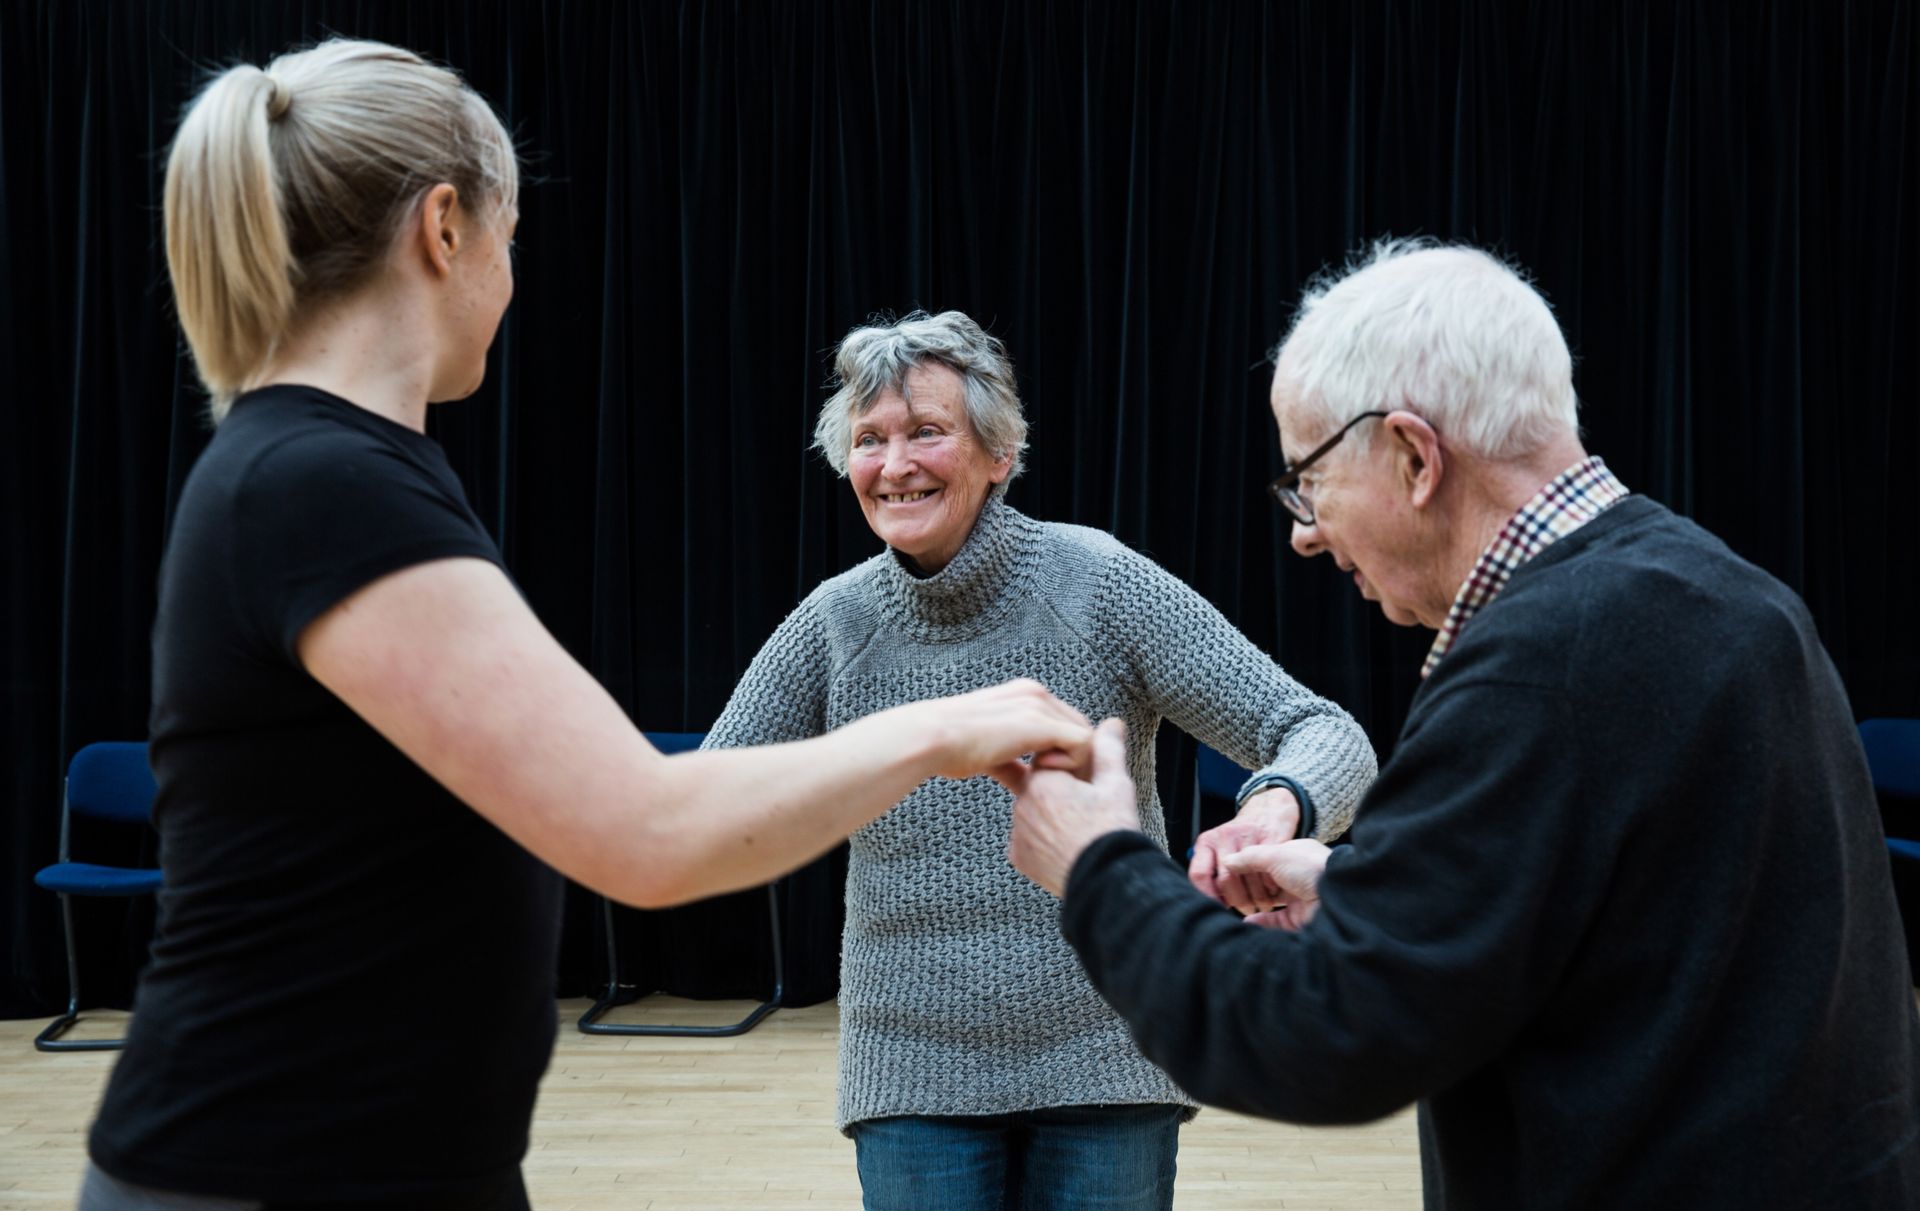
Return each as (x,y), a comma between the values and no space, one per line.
(437,232)
(1417,456)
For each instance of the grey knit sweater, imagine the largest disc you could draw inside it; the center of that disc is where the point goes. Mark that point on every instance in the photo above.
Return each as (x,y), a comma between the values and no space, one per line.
(958,994)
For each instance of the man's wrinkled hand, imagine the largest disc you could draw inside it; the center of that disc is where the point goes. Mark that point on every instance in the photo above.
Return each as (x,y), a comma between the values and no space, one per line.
(1268,818)
(1056,815)
(1294,869)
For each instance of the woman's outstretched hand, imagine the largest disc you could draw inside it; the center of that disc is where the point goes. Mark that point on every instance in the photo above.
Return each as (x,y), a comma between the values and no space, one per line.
(1002,729)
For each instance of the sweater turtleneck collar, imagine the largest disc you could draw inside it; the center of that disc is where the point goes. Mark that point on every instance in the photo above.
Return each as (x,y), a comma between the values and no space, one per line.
(977,583)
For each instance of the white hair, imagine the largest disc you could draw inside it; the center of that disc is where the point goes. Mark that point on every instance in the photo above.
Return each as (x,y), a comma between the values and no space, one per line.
(1448,332)
(877,358)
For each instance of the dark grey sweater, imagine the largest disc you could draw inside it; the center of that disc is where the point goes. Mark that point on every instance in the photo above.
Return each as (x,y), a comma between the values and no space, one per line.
(1618,911)
(957,993)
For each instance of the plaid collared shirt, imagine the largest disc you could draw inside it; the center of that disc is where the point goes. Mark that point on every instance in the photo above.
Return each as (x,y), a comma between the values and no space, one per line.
(1570,500)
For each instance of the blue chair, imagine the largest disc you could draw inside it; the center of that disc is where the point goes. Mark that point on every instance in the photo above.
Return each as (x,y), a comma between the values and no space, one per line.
(1893,754)
(618,993)
(1216,775)
(107,781)
(1893,757)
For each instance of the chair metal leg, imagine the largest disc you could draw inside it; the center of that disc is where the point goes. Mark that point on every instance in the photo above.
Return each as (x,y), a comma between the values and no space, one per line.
(621,994)
(49,1039)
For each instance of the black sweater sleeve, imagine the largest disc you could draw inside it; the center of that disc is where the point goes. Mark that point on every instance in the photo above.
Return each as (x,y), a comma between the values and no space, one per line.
(1616,910)
(1440,929)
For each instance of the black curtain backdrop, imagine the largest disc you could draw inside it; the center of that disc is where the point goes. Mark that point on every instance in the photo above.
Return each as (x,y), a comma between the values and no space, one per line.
(1718,199)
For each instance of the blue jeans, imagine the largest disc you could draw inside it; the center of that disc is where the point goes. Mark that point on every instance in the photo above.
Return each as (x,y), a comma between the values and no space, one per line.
(1116,1158)
(101,1191)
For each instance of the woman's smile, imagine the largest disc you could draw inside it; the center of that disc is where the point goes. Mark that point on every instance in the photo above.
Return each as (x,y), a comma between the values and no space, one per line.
(919,470)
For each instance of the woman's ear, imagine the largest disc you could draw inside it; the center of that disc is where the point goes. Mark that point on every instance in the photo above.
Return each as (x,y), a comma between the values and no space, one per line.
(1002,467)
(438,233)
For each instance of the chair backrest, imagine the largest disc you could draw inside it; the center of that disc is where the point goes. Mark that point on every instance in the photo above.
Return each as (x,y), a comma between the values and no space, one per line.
(111,780)
(1217,775)
(675,742)
(1893,754)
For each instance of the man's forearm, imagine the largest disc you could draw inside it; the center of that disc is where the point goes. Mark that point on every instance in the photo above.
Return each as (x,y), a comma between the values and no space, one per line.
(1241,1017)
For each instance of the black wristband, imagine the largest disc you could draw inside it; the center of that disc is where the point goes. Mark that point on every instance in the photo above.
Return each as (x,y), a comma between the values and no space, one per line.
(1266,782)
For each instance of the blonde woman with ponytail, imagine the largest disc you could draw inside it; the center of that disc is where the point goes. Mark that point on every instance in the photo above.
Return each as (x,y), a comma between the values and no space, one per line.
(372,758)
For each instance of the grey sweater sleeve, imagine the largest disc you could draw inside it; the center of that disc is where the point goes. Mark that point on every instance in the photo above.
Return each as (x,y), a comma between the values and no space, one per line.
(783,695)
(1200,672)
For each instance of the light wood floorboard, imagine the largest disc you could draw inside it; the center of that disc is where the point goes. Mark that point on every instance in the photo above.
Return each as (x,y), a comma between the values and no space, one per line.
(659,1124)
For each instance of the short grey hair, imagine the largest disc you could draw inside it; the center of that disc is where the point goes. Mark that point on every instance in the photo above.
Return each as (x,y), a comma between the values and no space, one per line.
(877,357)
(1448,332)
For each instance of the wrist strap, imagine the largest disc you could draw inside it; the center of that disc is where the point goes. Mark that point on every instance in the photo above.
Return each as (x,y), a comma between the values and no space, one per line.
(1267,781)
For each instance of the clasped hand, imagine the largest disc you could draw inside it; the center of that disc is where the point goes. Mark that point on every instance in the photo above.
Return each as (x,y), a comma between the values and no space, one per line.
(1058,812)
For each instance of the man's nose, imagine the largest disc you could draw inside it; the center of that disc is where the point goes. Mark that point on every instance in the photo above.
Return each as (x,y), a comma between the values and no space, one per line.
(1306,539)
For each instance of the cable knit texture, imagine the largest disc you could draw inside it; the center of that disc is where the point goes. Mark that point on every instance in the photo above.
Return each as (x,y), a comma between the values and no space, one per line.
(958,993)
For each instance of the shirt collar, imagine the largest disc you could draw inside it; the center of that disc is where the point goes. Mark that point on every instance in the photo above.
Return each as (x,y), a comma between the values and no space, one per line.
(976,585)
(1569,500)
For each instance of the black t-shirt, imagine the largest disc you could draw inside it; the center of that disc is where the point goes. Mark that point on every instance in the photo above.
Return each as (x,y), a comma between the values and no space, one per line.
(351,990)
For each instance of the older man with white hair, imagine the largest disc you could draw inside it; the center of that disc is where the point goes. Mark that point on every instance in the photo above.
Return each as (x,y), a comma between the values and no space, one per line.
(1617,912)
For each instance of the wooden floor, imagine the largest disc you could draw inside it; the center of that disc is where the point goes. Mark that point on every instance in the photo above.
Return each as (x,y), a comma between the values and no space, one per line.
(654,1124)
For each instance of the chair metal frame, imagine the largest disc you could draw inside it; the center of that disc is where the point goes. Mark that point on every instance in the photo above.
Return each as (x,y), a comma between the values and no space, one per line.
(49,1038)
(617,993)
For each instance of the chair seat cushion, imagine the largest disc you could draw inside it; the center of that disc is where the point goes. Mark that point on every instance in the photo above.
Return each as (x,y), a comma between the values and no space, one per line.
(86,879)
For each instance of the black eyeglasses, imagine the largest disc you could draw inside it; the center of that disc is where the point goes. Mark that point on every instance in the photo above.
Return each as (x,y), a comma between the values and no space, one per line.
(1286,490)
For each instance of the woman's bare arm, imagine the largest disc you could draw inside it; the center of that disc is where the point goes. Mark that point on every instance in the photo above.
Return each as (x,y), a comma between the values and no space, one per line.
(446,660)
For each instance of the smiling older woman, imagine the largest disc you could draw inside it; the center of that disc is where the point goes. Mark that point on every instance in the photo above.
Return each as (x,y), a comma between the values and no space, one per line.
(977,1064)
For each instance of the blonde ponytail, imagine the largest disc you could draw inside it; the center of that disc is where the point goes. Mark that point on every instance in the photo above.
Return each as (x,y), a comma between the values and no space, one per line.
(288,184)
(227,249)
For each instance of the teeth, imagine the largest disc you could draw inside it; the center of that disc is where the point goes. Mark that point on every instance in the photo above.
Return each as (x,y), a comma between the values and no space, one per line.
(905,498)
